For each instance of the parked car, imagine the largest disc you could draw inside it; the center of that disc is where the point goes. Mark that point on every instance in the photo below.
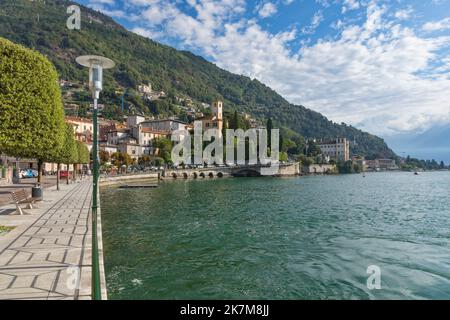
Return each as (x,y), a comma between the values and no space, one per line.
(26,174)
(63,174)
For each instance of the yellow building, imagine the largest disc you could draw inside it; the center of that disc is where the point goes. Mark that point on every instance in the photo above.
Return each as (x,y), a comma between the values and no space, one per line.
(83,128)
(215,121)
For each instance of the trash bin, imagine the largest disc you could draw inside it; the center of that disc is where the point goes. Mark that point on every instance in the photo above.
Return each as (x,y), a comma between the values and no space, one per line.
(36,192)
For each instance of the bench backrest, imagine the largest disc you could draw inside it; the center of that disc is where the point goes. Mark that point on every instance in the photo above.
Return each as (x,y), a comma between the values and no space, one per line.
(19,195)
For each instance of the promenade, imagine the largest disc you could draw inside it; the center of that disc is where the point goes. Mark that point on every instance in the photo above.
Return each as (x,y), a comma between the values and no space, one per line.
(48,254)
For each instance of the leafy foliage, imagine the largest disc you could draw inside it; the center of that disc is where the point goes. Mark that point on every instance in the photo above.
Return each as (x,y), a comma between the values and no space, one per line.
(83,156)
(121,159)
(165,147)
(413,163)
(348,167)
(31,110)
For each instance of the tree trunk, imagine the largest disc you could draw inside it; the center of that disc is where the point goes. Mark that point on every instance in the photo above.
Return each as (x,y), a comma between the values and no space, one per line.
(68,173)
(39,180)
(58,169)
(74,177)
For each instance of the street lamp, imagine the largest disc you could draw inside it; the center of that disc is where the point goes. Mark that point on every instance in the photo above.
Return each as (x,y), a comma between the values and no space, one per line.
(96,65)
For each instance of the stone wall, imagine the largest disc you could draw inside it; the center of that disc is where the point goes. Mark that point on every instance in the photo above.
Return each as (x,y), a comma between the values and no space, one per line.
(319,169)
(106,181)
(290,169)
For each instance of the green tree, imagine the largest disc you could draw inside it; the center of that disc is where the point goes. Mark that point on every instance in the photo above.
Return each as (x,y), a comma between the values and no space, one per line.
(165,148)
(348,167)
(145,160)
(269,127)
(313,149)
(71,152)
(120,159)
(104,157)
(235,123)
(304,160)
(65,153)
(31,109)
(82,153)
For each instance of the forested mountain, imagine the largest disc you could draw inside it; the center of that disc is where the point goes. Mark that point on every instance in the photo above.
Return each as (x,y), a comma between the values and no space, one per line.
(42,25)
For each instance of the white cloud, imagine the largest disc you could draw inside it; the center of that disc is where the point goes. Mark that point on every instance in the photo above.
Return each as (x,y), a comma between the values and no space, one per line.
(379,75)
(443,24)
(267,10)
(315,22)
(102,1)
(350,5)
(404,14)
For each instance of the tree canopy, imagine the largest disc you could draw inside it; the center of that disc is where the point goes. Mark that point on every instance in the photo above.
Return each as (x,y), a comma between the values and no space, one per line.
(83,155)
(31,109)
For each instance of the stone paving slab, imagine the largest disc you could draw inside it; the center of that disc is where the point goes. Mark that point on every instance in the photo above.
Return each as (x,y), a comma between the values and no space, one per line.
(48,255)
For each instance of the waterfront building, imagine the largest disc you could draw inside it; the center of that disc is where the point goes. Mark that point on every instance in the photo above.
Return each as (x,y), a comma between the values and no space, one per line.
(338,149)
(83,128)
(381,164)
(108,148)
(167,125)
(107,126)
(215,121)
(129,145)
(114,136)
(134,120)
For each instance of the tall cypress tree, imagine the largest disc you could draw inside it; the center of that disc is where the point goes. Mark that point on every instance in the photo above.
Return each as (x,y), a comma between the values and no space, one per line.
(269,127)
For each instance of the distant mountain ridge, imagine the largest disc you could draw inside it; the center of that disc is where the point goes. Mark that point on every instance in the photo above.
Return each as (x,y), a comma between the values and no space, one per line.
(42,25)
(434,143)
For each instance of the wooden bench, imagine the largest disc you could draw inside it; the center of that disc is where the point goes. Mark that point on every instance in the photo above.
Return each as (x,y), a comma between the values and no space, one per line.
(20,197)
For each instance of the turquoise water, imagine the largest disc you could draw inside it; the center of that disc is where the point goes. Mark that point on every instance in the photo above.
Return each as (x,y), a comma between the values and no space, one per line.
(280,238)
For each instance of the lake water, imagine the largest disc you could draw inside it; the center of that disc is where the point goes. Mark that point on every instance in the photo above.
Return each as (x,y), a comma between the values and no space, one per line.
(280,238)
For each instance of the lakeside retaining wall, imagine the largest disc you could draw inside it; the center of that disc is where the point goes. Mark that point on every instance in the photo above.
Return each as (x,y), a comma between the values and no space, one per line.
(106,181)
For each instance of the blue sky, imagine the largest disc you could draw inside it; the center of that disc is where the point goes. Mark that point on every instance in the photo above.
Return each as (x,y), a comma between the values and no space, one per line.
(383,66)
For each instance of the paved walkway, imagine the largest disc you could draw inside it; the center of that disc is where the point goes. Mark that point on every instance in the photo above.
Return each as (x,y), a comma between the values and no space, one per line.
(48,256)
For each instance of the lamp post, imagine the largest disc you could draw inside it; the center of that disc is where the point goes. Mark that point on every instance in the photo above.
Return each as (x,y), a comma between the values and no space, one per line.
(96,64)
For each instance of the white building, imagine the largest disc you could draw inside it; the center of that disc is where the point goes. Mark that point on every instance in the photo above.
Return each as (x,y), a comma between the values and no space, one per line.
(168,125)
(114,136)
(338,149)
(146,89)
(134,120)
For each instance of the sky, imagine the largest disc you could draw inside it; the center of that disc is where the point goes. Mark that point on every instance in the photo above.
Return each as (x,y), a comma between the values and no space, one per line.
(382,66)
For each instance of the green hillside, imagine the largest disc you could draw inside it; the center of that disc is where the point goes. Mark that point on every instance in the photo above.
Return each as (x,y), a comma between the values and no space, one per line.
(42,25)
